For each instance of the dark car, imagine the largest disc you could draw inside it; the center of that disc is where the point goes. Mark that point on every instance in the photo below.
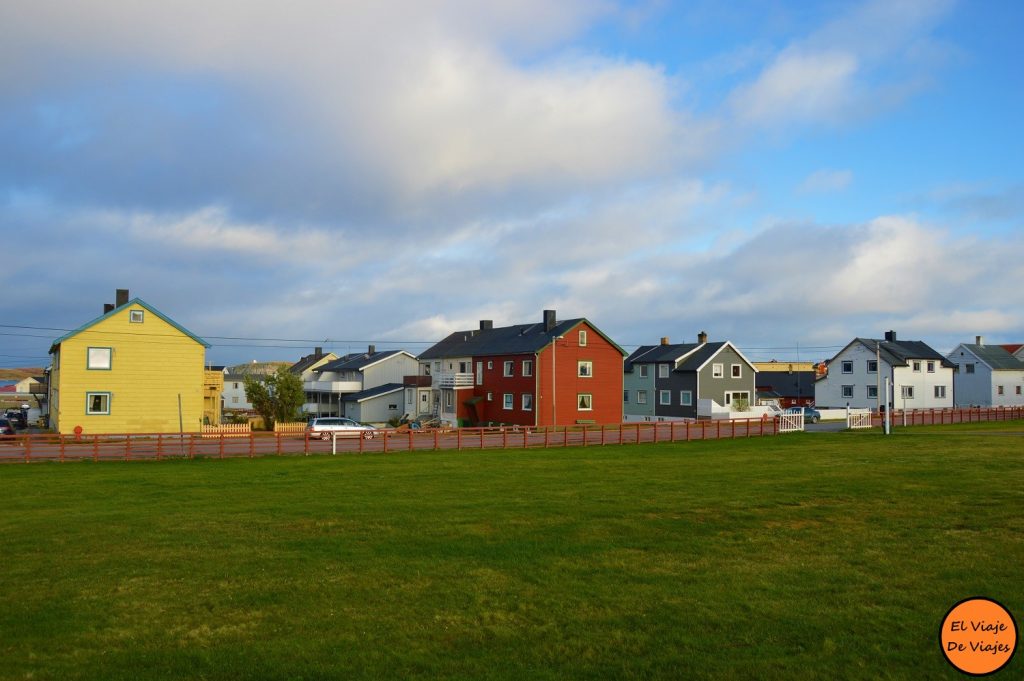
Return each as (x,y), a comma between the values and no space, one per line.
(16,418)
(6,427)
(811,415)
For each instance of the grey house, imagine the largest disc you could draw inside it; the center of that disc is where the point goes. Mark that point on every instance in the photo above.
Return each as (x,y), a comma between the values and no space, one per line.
(665,382)
(986,376)
(365,386)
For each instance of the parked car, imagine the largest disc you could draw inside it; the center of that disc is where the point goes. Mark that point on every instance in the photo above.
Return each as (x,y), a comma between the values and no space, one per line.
(6,427)
(323,426)
(811,415)
(16,418)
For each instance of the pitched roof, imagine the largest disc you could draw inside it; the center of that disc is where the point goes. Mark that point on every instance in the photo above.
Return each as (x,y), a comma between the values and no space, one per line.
(370,393)
(899,353)
(133,301)
(506,340)
(787,384)
(307,361)
(1012,348)
(996,356)
(356,361)
(656,354)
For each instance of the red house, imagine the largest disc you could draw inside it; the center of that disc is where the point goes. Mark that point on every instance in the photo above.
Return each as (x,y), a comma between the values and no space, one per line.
(550,372)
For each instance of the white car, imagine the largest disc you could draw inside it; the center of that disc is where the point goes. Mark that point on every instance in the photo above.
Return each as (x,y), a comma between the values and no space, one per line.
(323,427)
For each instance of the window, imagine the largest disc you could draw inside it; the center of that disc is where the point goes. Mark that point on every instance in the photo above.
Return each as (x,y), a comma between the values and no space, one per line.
(999,390)
(136,316)
(509,367)
(234,400)
(907,392)
(490,364)
(686,398)
(448,397)
(847,391)
(940,391)
(1018,390)
(479,373)
(464,367)
(662,371)
(917,366)
(584,369)
(585,401)
(490,397)
(931,367)
(873,392)
(97,403)
(236,385)
(717,370)
(437,367)
(583,339)
(527,402)
(99,358)
(507,401)
(737,370)
(872,366)
(665,397)
(970,368)
(643,371)
(847,366)
(641,397)
(625,396)
(527,367)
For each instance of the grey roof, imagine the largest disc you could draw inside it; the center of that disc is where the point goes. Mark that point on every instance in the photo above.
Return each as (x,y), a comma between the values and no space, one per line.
(306,362)
(786,384)
(996,357)
(694,361)
(385,389)
(658,354)
(898,353)
(506,340)
(357,360)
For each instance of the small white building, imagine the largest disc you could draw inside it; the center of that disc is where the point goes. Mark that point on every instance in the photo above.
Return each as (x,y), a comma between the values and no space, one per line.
(920,377)
(987,376)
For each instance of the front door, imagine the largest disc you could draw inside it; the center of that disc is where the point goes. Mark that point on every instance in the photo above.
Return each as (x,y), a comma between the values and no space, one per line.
(424,402)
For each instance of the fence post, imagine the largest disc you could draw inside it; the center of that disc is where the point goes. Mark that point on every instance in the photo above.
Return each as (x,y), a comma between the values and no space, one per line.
(602,434)
(305,442)
(28,448)
(458,439)
(504,438)
(565,436)
(410,440)
(547,431)
(192,446)
(385,442)
(278,438)
(159,446)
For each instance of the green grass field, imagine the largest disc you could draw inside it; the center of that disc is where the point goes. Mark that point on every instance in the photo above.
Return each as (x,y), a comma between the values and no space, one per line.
(822,556)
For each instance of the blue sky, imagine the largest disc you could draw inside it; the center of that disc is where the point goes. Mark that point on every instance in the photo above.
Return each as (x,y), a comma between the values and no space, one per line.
(787,175)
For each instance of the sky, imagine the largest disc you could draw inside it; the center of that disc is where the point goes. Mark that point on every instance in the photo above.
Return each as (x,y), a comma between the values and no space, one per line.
(275,177)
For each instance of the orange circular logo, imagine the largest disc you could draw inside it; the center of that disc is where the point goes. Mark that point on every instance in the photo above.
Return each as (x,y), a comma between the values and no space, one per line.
(978,636)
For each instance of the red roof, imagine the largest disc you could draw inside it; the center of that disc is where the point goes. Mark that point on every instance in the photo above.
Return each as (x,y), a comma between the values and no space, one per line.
(1012,348)
(8,388)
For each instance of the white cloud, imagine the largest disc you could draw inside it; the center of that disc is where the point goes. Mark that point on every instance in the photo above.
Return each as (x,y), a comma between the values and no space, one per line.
(825,181)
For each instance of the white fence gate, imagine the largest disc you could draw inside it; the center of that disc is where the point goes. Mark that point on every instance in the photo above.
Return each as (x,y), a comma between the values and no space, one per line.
(858,419)
(791,423)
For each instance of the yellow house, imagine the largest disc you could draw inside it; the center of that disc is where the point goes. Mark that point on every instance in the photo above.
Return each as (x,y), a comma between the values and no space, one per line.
(132,370)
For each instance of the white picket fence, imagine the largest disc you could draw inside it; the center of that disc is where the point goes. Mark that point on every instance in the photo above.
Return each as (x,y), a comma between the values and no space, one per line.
(858,419)
(791,423)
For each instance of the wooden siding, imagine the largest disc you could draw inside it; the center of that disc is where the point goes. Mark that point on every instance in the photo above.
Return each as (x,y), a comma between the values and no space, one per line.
(605,384)
(151,364)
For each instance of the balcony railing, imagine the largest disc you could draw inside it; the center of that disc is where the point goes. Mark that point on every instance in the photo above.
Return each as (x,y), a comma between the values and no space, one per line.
(418,381)
(453,380)
(332,386)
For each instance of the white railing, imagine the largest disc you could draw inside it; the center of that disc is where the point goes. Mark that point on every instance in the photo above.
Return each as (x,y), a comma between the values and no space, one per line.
(791,423)
(332,386)
(858,419)
(453,380)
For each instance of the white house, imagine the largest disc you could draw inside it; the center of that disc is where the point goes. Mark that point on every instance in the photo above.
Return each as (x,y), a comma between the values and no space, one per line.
(365,386)
(920,377)
(987,376)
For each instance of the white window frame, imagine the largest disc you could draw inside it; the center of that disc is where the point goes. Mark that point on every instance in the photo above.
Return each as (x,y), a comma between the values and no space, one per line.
(490,397)
(917,367)
(846,366)
(931,367)
(527,401)
(641,397)
(736,371)
(509,368)
(449,398)
(586,399)
(625,395)
(94,359)
(644,373)
(136,316)
(665,398)
(479,373)
(940,392)
(508,401)
(663,370)
(868,366)
(847,392)
(907,392)
(490,364)
(872,392)
(584,369)
(686,398)
(717,371)
(527,368)
(969,368)
(582,338)
(89,396)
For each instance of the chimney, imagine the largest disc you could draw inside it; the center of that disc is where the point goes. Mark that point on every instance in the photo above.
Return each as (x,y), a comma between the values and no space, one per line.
(702,337)
(664,340)
(486,324)
(373,349)
(979,340)
(549,321)
(121,297)
(318,353)
(107,307)
(890,336)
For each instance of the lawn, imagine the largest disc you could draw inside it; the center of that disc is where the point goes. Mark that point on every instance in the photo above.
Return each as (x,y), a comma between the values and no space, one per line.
(801,556)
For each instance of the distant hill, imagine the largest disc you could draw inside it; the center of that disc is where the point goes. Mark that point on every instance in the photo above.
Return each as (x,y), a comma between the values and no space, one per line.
(18,374)
(257,368)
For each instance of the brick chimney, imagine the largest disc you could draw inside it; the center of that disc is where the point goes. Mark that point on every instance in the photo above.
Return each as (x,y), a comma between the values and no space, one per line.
(108,307)
(121,297)
(318,353)
(702,337)
(373,349)
(979,340)
(549,321)
(664,340)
